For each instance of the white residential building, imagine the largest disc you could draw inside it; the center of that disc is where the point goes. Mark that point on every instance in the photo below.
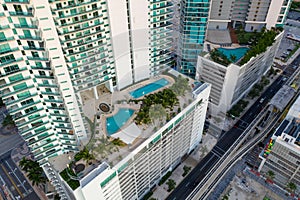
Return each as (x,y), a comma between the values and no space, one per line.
(230,83)
(252,15)
(142,169)
(52,51)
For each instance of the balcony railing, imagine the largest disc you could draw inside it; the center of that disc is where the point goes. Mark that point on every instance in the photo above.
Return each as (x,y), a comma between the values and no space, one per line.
(16,1)
(30,37)
(4,27)
(21,13)
(25,26)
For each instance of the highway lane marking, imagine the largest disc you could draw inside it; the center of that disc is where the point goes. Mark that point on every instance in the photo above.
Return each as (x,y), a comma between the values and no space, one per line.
(11,180)
(216,146)
(216,154)
(16,176)
(206,163)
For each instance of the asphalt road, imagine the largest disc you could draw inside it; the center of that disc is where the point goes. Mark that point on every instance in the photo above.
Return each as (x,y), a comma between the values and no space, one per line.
(228,138)
(12,177)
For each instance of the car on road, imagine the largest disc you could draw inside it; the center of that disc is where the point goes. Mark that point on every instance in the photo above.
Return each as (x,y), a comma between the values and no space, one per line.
(261,100)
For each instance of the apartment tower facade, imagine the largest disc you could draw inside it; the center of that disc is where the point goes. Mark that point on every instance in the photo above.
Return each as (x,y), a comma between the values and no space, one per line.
(250,14)
(51,51)
(193,23)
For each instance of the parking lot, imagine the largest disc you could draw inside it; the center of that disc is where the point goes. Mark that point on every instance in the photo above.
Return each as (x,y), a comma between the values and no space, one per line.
(248,189)
(287,45)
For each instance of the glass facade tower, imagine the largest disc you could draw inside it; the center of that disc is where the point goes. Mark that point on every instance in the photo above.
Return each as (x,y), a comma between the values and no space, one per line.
(193,23)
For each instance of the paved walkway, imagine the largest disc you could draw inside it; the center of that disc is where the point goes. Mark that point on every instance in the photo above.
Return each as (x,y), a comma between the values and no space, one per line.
(225,123)
(208,142)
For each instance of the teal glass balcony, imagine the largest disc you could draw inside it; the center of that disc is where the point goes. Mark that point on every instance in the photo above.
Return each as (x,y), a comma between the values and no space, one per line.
(37,58)
(16,1)
(16,91)
(21,13)
(53,100)
(31,112)
(3,51)
(14,71)
(37,146)
(16,81)
(30,121)
(48,155)
(23,107)
(6,39)
(30,26)
(4,27)
(27,37)
(19,99)
(47,85)
(34,48)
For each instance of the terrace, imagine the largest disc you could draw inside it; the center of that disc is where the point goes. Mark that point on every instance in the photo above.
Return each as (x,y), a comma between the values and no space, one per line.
(250,45)
(134,114)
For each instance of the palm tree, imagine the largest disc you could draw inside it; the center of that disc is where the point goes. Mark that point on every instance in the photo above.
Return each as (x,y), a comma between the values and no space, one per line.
(157,112)
(27,165)
(291,187)
(24,164)
(87,156)
(8,120)
(270,175)
(35,172)
(232,57)
(36,177)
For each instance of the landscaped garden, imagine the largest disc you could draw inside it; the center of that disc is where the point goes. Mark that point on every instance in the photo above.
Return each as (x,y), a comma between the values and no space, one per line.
(218,57)
(33,170)
(160,105)
(259,43)
(238,108)
(258,87)
(65,174)
(166,98)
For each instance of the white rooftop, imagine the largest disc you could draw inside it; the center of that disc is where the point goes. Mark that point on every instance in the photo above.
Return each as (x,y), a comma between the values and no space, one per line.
(294,111)
(128,134)
(282,97)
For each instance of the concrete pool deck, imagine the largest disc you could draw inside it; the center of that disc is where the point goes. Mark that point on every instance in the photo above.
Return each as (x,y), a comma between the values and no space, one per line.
(99,141)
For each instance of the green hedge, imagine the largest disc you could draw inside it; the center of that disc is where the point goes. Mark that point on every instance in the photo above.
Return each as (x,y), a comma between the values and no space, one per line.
(72,183)
(266,40)
(164,178)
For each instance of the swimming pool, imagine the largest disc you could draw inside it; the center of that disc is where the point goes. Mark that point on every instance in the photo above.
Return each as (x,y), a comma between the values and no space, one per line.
(115,122)
(149,88)
(237,52)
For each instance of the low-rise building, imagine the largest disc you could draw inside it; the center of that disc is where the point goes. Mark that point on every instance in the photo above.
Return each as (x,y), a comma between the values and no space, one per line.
(233,79)
(282,154)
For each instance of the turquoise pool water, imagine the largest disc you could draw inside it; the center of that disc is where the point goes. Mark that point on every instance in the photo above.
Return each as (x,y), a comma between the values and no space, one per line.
(115,122)
(149,88)
(238,52)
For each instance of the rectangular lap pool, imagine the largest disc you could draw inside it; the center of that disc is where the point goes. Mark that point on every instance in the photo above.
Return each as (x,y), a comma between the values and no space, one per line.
(115,122)
(149,88)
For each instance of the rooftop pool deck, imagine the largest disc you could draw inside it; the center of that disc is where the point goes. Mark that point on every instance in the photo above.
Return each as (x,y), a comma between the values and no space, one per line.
(151,87)
(238,52)
(117,121)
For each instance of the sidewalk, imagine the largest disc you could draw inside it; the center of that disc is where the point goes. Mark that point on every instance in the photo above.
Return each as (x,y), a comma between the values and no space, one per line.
(226,123)
(17,154)
(208,142)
